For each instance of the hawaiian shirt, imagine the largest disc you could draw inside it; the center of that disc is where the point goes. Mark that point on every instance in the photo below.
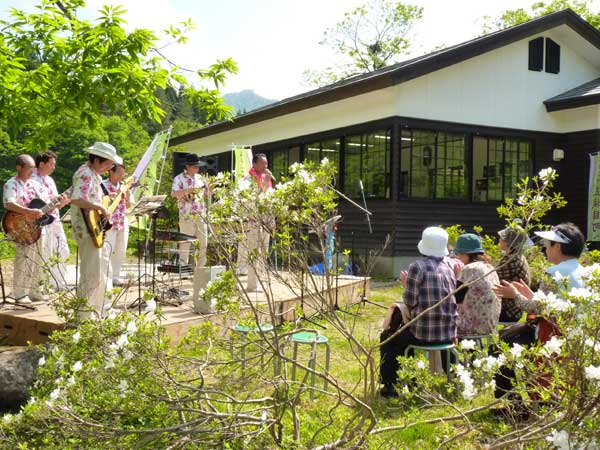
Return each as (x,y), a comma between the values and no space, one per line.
(22,192)
(480,309)
(51,190)
(118,218)
(87,185)
(191,204)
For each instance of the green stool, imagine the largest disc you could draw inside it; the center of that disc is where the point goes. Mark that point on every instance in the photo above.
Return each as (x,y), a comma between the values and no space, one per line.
(313,339)
(432,351)
(243,331)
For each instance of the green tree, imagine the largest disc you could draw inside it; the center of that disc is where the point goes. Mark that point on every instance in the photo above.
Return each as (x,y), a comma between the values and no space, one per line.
(370,37)
(512,17)
(57,70)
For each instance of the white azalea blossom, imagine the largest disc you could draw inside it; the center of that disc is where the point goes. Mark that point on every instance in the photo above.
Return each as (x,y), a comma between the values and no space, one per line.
(131,327)
(55,394)
(477,363)
(560,439)
(468,344)
(516,350)
(76,337)
(150,306)
(71,381)
(325,161)
(581,293)
(109,364)
(553,346)
(420,364)
(122,341)
(547,173)
(592,373)
(305,176)
(42,361)
(7,418)
(244,184)
(122,386)
(77,366)
(296,167)
(466,379)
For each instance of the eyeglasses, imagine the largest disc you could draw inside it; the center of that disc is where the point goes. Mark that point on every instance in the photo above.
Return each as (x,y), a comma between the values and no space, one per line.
(561,235)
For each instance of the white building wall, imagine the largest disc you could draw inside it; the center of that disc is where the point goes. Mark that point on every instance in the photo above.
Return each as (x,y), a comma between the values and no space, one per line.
(494,89)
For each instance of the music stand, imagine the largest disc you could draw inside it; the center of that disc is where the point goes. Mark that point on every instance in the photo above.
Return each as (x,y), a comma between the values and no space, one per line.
(146,206)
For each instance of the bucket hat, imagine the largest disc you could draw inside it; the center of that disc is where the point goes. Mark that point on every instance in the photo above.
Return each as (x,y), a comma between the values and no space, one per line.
(434,242)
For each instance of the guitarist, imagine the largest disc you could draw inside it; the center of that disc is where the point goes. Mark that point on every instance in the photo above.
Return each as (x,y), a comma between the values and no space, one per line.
(118,234)
(55,247)
(87,193)
(19,191)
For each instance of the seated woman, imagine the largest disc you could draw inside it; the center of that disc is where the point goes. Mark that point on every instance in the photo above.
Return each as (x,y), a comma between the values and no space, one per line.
(512,267)
(478,305)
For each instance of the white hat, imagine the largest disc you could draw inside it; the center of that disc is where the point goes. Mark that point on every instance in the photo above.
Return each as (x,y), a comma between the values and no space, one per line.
(434,242)
(105,150)
(554,236)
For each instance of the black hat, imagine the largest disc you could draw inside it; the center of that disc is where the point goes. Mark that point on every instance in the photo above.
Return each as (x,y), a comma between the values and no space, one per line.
(192,159)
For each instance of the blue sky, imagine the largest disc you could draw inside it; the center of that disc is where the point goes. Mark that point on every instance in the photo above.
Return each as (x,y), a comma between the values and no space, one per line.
(273,41)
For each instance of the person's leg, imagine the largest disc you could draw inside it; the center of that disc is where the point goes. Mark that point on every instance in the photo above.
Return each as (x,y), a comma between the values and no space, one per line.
(57,250)
(23,270)
(95,271)
(119,251)
(253,257)
(202,235)
(186,226)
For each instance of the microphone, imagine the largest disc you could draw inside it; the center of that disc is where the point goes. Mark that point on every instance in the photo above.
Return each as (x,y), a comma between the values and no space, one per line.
(268,172)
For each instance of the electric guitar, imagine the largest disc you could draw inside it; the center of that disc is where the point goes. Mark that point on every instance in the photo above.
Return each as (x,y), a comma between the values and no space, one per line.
(26,231)
(96,222)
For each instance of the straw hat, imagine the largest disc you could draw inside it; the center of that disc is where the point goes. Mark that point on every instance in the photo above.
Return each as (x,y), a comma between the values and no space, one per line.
(105,150)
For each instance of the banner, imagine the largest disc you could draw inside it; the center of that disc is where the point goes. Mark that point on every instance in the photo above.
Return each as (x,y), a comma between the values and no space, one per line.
(593,222)
(242,160)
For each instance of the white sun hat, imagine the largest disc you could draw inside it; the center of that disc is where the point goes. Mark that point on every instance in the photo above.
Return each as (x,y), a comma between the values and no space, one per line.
(553,235)
(105,150)
(434,242)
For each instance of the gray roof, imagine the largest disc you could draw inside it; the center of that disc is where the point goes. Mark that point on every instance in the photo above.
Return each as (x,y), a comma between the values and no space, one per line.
(583,95)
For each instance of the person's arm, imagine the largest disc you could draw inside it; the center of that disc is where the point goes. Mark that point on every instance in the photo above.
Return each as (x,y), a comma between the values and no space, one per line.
(30,213)
(86,204)
(411,290)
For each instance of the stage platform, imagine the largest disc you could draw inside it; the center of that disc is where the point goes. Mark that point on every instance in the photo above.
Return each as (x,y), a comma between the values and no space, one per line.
(19,325)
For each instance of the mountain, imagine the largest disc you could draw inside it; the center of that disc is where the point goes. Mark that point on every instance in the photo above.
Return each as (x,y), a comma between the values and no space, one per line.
(246,100)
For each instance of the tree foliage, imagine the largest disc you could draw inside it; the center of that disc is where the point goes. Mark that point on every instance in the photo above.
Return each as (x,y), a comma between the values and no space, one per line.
(512,17)
(368,38)
(57,70)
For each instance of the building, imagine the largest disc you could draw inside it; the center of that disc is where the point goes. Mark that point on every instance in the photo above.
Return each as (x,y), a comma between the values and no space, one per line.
(442,138)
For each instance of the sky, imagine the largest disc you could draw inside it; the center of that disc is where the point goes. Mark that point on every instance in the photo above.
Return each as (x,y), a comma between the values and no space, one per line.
(274,41)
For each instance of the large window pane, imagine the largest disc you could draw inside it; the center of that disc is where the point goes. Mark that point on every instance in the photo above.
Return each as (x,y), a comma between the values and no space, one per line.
(450,166)
(367,160)
(330,149)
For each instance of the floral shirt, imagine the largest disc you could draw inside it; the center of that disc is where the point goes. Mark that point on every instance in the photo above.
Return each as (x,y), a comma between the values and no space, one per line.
(480,310)
(86,186)
(118,218)
(51,190)
(192,204)
(22,192)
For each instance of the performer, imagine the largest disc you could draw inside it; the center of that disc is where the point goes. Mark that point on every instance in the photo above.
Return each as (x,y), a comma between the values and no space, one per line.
(118,235)
(19,191)
(189,189)
(95,269)
(55,248)
(257,238)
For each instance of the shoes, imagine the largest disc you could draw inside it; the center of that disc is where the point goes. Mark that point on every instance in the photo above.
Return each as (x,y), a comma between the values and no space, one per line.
(25,300)
(388,391)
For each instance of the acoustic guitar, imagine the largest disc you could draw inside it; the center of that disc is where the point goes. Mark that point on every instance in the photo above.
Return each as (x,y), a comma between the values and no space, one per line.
(26,231)
(96,222)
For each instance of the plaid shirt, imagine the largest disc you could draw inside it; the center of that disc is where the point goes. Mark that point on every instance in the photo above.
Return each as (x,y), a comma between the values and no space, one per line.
(513,267)
(429,280)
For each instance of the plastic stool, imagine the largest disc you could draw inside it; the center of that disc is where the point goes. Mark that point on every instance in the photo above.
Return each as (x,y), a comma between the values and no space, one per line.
(433,352)
(243,331)
(313,339)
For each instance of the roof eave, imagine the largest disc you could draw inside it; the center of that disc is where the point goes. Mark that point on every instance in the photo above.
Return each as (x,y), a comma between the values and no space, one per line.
(571,103)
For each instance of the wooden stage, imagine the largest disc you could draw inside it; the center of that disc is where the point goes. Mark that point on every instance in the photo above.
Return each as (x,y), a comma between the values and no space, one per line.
(19,325)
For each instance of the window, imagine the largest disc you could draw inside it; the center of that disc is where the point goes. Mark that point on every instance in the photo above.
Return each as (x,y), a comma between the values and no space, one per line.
(498,164)
(552,56)
(367,159)
(281,159)
(536,54)
(329,149)
(433,164)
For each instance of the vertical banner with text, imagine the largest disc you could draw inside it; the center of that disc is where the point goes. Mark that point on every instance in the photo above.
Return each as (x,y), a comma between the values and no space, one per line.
(242,161)
(593,223)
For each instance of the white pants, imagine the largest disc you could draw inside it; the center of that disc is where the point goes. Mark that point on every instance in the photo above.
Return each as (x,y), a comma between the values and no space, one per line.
(27,275)
(55,254)
(256,245)
(194,227)
(117,244)
(94,274)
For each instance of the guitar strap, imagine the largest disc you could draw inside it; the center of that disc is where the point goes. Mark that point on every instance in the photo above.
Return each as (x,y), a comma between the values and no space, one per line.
(104,189)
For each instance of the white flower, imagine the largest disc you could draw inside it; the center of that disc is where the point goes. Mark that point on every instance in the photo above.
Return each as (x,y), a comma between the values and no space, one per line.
(71,381)
(584,293)
(420,364)
(305,176)
(560,440)
(553,346)
(31,401)
(55,394)
(131,327)
(41,361)
(264,416)
(465,378)
(7,418)
(111,313)
(122,386)
(150,306)
(477,363)
(244,184)
(77,366)
(547,174)
(109,364)
(592,373)
(588,271)
(127,355)
(296,167)
(405,390)
(516,350)
(122,341)
(325,161)
(521,200)
(76,337)
(467,344)
(593,343)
